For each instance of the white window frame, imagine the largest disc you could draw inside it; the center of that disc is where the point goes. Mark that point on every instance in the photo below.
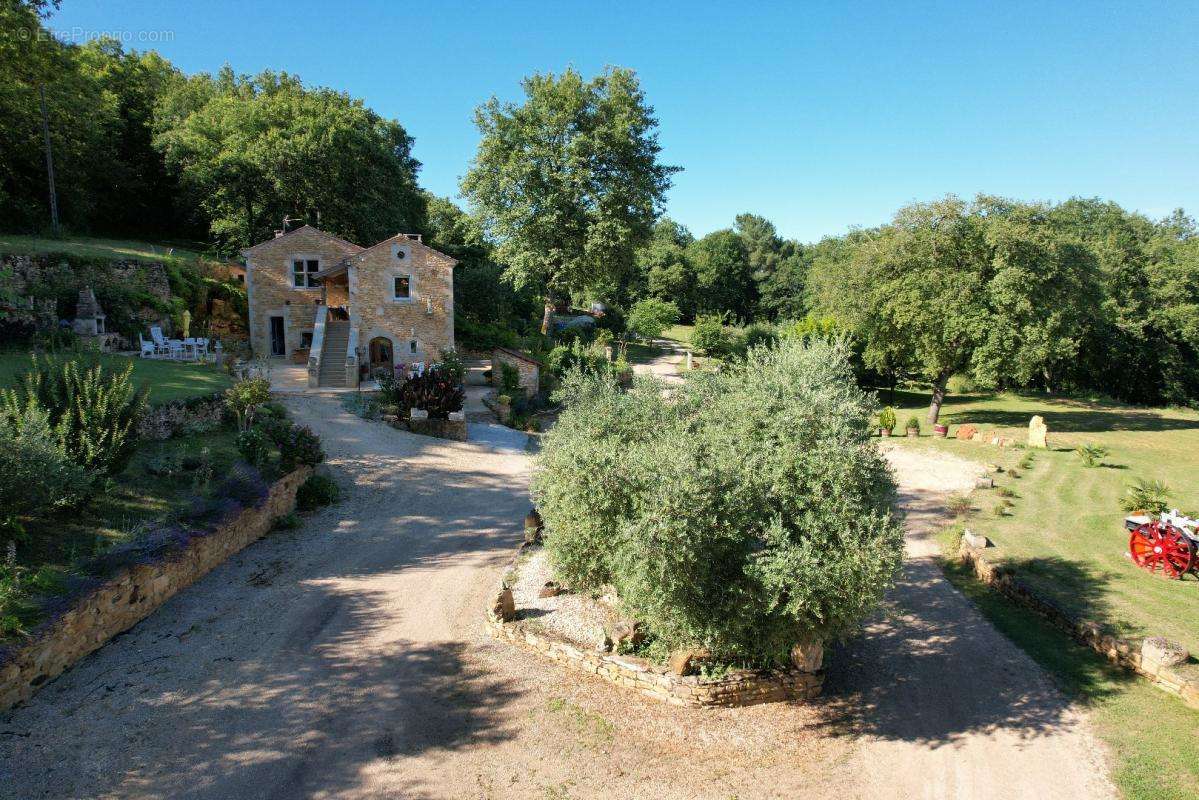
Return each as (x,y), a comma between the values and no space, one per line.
(411,287)
(308,259)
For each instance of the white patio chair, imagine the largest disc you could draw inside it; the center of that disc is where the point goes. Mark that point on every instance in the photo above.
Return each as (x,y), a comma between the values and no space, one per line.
(190,351)
(175,349)
(159,340)
(149,349)
(202,348)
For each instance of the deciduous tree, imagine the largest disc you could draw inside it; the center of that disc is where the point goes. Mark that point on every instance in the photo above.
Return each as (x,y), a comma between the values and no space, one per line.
(568,183)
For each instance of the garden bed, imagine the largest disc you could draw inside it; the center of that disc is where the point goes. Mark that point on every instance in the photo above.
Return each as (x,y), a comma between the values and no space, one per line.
(567,628)
(143,576)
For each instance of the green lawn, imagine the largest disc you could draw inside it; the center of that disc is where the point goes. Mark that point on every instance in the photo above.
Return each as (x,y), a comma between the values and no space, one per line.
(1065,531)
(96,248)
(167,380)
(1064,534)
(679,333)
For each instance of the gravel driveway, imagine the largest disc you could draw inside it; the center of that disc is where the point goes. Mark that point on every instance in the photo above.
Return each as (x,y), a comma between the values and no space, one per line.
(945,706)
(347,659)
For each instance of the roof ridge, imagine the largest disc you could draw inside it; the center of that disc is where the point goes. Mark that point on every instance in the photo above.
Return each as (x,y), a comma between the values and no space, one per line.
(408,240)
(357,248)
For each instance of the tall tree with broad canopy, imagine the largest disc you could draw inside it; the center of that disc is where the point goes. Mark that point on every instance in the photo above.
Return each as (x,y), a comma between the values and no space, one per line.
(724,277)
(250,150)
(665,266)
(568,183)
(949,286)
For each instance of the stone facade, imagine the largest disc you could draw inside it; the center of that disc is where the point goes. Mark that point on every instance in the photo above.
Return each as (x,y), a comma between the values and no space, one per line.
(1132,654)
(417,322)
(529,369)
(133,593)
(739,688)
(271,290)
(418,326)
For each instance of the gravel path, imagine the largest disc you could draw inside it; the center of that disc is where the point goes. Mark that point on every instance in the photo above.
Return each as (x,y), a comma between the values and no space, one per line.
(946,706)
(347,659)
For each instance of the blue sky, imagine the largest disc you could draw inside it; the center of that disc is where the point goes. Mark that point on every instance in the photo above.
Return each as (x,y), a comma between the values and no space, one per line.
(819,116)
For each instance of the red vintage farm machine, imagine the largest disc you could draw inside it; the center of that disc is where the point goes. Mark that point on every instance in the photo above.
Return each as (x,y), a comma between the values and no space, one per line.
(1165,543)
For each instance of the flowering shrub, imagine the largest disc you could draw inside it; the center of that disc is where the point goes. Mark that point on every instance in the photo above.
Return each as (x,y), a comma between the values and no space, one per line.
(200,415)
(436,391)
(254,446)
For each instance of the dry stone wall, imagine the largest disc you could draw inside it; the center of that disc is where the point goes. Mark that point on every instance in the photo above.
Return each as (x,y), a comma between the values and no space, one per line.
(1181,680)
(738,688)
(132,593)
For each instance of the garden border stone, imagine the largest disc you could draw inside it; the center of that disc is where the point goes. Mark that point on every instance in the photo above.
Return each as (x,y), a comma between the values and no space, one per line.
(1126,653)
(85,621)
(739,688)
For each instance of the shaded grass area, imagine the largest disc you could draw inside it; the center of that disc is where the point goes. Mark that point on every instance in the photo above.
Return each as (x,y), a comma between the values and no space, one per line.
(166,380)
(1150,735)
(1062,526)
(679,333)
(90,247)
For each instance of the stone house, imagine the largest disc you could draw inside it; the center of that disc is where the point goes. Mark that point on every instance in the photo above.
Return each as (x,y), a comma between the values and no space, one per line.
(345,309)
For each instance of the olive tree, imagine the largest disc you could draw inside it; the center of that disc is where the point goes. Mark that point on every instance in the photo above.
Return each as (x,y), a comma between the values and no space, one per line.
(744,513)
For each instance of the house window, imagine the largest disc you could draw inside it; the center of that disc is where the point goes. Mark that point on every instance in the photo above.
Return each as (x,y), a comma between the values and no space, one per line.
(305,340)
(412,346)
(303,272)
(403,287)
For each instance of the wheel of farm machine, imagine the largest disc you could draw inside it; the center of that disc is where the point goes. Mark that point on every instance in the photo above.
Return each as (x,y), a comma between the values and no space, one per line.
(1160,546)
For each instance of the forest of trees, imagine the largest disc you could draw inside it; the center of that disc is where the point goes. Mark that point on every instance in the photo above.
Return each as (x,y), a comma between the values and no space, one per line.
(1079,296)
(142,149)
(565,200)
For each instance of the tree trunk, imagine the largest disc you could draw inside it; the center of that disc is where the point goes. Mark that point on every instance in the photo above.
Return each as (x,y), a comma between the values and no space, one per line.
(249,222)
(548,315)
(934,408)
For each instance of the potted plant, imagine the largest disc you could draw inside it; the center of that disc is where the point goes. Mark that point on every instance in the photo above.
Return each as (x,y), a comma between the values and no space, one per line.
(912,426)
(886,421)
(940,431)
(504,407)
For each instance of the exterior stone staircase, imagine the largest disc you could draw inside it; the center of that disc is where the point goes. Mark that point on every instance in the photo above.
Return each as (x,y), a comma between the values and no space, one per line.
(333,353)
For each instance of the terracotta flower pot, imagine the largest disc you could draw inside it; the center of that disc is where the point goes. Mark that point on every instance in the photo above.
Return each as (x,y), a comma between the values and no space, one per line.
(913,432)
(884,432)
(940,431)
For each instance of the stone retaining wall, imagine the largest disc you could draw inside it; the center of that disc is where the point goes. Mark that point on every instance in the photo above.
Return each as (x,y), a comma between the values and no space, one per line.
(133,592)
(1125,652)
(739,688)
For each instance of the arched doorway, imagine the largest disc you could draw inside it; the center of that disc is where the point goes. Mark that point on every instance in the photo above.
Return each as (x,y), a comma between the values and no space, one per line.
(381,354)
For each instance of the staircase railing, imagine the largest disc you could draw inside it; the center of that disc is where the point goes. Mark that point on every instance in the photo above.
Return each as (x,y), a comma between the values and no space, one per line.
(318,343)
(352,358)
